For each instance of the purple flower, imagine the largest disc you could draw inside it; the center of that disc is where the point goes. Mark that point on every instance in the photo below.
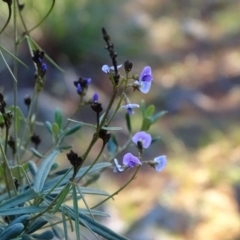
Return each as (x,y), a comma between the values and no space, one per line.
(79,88)
(145,80)
(160,163)
(95,97)
(118,167)
(82,85)
(43,69)
(130,161)
(144,138)
(107,69)
(130,107)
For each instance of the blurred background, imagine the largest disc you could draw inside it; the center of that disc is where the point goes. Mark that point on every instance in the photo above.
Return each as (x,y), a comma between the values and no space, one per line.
(193,47)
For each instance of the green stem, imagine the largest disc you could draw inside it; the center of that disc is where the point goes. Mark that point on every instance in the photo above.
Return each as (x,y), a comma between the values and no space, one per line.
(120,189)
(48,13)
(7,174)
(22,20)
(98,156)
(8,19)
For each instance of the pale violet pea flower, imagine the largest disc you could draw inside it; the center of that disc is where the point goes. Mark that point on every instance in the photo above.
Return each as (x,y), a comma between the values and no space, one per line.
(107,69)
(118,167)
(130,160)
(144,138)
(160,163)
(130,107)
(145,80)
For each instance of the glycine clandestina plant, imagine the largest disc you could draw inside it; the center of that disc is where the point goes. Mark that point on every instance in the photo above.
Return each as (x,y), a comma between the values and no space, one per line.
(34,193)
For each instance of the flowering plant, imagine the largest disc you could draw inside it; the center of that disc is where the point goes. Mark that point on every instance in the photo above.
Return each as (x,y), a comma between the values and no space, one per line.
(35,192)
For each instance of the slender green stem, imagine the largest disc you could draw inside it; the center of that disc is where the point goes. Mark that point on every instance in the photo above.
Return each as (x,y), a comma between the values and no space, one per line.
(98,156)
(22,20)
(8,19)
(95,137)
(48,13)
(7,174)
(116,110)
(15,84)
(120,189)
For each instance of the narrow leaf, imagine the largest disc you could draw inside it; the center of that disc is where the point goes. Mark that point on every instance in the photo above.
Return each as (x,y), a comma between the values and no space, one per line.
(146,124)
(48,58)
(19,115)
(112,128)
(55,129)
(64,223)
(44,170)
(17,59)
(75,207)
(97,227)
(93,191)
(19,199)
(58,118)
(143,108)
(9,69)
(157,116)
(149,111)
(32,167)
(71,130)
(36,153)
(101,118)
(62,197)
(96,168)
(128,122)
(112,145)
(49,127)
(21,210)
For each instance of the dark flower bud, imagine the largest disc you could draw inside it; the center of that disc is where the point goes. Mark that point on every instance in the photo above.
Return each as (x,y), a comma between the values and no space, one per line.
(21,6)
(128,66)
(105,35)
(104,135)
(2,104)
(140,146)
(16,183)
(38,56)
(36,140)
(9,2)
(27,100)
(8,119)
(96,107)
(12,144)
(82,85)
(116,78)
(74,159)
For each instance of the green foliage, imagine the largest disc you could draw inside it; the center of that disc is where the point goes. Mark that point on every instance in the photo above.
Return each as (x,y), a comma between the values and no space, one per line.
(35,190)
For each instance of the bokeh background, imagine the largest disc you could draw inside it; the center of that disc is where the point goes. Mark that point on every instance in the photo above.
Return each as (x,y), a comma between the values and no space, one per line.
(193,47)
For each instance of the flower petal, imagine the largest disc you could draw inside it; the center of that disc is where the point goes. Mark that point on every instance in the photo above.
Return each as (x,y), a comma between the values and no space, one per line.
(146,71)
(118,167)
(147,78)
(142,137)
(145,87)
(106,68)
(160,163)
(130,160)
